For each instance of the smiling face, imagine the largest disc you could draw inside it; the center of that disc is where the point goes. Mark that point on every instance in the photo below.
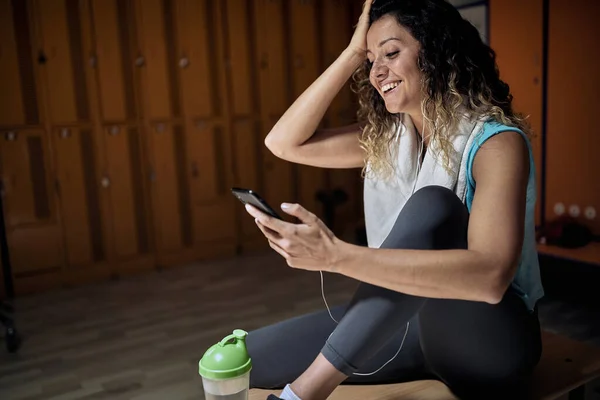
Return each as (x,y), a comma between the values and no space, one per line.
(394,52)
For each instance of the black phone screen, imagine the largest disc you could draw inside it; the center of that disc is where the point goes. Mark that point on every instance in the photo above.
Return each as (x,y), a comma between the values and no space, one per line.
(248,196)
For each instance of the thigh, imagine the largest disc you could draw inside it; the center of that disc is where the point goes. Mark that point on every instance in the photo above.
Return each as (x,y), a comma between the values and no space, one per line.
(477,347)
(283,351)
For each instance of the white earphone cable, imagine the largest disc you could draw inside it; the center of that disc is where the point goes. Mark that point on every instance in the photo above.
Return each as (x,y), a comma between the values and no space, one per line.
(421,147)
(324,299)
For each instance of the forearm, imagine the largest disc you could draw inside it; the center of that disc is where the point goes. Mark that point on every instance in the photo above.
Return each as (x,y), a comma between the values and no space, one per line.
(451,274)
(302,118)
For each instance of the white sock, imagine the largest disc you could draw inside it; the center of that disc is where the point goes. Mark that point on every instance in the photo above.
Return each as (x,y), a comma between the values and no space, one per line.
(288,394)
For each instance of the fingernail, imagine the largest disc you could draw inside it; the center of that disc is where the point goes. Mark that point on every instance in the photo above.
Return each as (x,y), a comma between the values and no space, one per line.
(285,205)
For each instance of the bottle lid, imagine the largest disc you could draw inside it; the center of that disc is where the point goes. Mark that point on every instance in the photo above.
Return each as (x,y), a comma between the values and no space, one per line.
(227,359)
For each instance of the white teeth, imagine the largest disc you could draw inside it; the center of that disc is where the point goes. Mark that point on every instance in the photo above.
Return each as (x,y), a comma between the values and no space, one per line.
(390,86)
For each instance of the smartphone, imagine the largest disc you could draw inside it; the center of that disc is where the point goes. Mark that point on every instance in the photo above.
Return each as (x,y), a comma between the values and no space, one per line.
(248,196)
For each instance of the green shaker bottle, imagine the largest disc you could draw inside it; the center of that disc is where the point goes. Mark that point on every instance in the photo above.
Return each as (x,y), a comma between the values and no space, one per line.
(225,368)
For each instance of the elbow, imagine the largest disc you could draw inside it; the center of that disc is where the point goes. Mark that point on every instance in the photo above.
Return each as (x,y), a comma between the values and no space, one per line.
(275,148)
(497,284)
(493,296)
(269,142)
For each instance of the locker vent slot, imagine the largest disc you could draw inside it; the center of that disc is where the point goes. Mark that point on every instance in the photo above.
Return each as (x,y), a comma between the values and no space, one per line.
(39,183)
(91,193)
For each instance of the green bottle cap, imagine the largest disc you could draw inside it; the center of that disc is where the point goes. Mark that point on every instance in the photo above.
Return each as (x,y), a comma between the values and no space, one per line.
(227,359)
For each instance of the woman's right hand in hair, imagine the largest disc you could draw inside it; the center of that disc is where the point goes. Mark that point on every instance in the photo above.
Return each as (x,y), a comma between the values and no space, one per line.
(296,137)
(358,43)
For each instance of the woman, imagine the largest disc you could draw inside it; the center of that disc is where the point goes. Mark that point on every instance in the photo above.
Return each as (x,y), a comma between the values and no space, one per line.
(450,280)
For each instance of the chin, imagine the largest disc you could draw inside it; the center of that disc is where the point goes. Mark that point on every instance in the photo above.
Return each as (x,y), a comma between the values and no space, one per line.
(394,108)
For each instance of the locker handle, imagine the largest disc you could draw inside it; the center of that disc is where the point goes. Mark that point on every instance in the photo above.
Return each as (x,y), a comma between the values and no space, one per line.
(10,136)
(195,171)
(264,61)
(200,124)
(105,182)
(140,61)
(184,62)
(65,133)
(42,58)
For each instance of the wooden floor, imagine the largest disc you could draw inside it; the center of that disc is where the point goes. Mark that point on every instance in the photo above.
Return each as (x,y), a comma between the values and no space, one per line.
(142,337)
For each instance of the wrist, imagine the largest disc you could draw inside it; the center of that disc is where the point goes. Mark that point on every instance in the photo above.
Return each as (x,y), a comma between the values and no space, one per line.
(343,253)
(354,57)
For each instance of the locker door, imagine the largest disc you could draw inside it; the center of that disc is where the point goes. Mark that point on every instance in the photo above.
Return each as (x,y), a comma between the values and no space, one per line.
(519,55)
(79,195)
(18,86)
(33,231)
(305,61)
(196,55)
(202,76)
(171,207)
(114,34)
(244,112)
(274,96)
(124,182)
(342,111)
(64,67)
(210,183)
(159,88)
(573,103)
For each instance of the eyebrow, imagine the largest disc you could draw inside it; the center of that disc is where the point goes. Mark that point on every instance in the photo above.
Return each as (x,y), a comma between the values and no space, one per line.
(385,41)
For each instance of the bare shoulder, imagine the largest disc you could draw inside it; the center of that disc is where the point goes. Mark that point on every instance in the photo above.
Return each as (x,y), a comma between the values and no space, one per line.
(504,153)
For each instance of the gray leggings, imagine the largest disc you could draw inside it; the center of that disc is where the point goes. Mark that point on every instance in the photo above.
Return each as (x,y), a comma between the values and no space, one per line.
(478,349)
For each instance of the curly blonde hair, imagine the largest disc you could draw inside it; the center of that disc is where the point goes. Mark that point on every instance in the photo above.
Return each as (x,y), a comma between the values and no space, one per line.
(459,72)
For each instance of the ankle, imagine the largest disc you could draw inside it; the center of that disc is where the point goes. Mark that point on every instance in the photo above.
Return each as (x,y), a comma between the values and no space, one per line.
(288,393)
(318,381)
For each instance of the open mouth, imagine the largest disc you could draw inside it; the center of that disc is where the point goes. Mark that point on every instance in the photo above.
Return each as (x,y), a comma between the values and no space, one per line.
(390,87)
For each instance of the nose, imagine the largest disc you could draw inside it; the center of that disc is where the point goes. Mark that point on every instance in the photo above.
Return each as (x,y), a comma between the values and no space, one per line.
(378,70)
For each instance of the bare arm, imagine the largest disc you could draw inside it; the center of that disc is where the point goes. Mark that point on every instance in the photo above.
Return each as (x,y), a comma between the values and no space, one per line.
(295,136)
(483,271)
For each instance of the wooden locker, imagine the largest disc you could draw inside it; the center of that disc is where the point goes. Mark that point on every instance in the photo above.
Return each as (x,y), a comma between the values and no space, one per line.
(196,55)
(65,62)
(212,202)
(572,163)
(159,87)
(79,192)
(18,86)
(165,138)
(115,59)
(208,159)
(170,189)
(274,95)
(123,180)
(305,66)
(519,51)
(243,110)
(32,228)
(336,37)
